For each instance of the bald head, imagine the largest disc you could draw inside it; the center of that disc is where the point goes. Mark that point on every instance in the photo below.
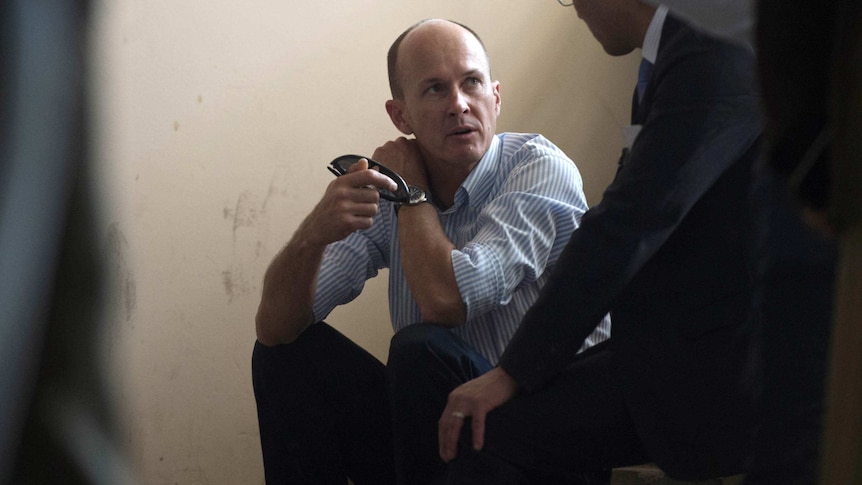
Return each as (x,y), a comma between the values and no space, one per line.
(432,27)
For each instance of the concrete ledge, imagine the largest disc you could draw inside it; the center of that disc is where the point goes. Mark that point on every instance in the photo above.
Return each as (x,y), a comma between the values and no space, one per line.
(650,474)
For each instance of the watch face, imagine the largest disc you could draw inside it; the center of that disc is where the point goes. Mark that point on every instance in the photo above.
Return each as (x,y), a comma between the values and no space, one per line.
(417,195)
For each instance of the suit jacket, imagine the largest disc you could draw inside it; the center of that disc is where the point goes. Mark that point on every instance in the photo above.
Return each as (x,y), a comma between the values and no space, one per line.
(668,252)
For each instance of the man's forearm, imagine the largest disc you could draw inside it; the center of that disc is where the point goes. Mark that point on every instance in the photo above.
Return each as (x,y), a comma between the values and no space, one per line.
(286,305)
(426,254)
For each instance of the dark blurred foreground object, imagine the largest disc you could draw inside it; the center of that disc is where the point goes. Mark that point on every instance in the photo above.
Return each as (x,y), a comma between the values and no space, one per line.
(809,201)
(842,450)
(56,423)
(810,58)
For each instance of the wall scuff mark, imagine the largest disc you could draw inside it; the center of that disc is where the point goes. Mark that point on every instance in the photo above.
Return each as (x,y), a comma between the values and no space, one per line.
(121,271)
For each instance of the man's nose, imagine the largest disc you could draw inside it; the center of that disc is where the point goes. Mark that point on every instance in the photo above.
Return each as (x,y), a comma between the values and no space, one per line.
(458,103)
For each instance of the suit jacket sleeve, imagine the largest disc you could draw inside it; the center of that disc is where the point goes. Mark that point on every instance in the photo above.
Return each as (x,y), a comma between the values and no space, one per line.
(699,117)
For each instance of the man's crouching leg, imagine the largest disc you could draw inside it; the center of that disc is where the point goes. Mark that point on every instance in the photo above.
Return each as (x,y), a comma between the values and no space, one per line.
(322,411)
(426,362)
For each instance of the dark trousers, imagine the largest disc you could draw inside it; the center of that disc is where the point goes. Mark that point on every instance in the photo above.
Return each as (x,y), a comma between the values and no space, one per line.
(326,413)
(322,411)
(426,362)
(573,432)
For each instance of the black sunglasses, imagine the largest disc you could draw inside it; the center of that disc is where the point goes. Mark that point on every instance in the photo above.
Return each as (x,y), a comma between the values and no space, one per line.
(342,164)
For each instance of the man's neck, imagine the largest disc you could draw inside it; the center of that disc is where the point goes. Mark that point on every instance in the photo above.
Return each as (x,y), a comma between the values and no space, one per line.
(444,179)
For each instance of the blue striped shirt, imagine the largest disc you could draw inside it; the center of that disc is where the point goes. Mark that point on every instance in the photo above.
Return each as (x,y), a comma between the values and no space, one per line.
(511,219)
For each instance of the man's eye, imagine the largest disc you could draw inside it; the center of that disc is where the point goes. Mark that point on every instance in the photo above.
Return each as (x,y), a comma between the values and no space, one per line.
(473,82)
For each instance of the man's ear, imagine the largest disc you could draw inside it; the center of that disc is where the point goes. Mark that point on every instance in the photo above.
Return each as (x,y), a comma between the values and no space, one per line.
(498,99)
(396,113)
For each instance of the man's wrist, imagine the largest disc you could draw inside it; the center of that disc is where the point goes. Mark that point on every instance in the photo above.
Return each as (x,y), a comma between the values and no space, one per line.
(418,197)
(398,207)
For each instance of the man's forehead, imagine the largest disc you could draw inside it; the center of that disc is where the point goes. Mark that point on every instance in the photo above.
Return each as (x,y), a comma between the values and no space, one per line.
(430,77)
(440,35)
(440,52)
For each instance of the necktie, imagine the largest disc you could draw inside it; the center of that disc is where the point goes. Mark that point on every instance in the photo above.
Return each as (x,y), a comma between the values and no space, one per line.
(643,77)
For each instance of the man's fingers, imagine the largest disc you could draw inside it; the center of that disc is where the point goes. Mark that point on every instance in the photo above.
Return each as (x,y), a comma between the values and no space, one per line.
(361,164)
(449,428)
(478,427)
(474,400)
(371,177)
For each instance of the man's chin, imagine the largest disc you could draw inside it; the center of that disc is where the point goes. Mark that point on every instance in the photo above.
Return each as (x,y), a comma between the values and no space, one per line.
(472,149)
(617,51)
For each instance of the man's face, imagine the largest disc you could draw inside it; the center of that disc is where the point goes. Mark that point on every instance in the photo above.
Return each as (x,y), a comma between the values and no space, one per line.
(607,20)
(450,103)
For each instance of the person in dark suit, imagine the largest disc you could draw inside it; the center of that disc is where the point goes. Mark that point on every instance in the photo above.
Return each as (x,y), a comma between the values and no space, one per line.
(668,252)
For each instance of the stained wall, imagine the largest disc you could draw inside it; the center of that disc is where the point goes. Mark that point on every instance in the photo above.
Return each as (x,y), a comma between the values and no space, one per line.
(214,121)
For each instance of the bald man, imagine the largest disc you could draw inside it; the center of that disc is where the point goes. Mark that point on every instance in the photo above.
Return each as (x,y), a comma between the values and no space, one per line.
(488,216)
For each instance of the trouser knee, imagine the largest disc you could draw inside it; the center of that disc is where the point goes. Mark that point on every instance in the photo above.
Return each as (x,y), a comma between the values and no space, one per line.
(262,360)
(432,350)
(417,341)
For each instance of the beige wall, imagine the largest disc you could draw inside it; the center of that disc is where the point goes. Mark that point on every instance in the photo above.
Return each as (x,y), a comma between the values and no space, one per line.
(214,122)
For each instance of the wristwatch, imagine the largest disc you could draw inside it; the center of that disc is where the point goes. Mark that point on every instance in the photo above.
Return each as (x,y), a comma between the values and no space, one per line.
(417,196)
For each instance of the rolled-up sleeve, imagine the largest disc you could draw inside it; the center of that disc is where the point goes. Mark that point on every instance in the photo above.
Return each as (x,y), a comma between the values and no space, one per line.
(349,263)
(521,231)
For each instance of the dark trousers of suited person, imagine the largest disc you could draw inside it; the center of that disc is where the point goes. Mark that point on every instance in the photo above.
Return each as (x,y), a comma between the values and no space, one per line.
(328,410)
(574,432)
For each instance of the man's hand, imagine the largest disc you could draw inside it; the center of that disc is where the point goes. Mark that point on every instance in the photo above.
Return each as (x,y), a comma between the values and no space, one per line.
(289,284)
(403,156)
(474,400)
(347,205)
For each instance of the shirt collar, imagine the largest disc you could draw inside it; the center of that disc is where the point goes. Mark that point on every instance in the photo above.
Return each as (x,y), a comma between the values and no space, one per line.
(653,34)
(475,187)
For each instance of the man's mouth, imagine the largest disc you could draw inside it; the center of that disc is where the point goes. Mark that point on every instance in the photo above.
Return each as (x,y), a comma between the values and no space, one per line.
(461,131)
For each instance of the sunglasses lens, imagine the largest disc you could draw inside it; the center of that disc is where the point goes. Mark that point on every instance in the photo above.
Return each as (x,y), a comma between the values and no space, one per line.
(343,163)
